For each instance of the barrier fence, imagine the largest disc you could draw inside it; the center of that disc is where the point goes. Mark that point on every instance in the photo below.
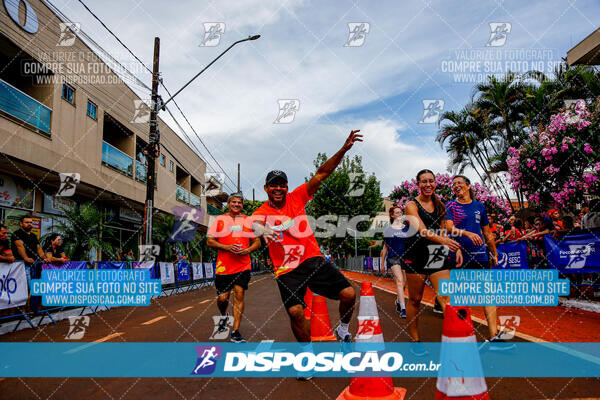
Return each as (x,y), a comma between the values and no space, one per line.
(575,256)
(17,304)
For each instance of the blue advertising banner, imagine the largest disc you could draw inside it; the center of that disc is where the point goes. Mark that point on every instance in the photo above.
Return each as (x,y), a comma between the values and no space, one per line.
(67,265)
(368,263)
(183,272)
(512,255)
(574,253)
(112,264)
(149,265)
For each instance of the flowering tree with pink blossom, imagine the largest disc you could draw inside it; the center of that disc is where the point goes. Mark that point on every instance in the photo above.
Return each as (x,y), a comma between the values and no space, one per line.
(494,205)
(559,164)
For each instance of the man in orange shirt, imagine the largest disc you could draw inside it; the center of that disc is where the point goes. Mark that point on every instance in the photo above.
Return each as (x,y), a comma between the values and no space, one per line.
(232,241)
(297,259)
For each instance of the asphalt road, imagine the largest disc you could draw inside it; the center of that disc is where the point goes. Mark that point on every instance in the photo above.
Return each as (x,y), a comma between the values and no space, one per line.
(187,317)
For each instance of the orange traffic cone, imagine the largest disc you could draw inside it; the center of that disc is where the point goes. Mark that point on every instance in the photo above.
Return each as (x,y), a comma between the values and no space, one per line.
(369,326)
(458,328)
(369,331)
(308,301)
(320,324)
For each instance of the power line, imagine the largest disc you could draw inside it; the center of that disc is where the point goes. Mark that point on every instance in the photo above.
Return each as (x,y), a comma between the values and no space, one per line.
(167,90)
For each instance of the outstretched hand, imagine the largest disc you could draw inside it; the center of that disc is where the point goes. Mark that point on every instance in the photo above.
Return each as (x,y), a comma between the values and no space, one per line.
(353,138)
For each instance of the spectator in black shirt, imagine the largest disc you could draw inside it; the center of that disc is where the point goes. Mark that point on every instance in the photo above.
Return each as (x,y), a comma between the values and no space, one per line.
(25,245)
(6,254)
(54,249)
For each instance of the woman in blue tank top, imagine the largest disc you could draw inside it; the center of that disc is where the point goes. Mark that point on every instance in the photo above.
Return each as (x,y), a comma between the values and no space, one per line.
(394,244)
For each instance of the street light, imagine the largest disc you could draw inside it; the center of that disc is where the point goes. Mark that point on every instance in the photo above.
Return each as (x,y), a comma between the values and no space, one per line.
(205,68)
(154,136)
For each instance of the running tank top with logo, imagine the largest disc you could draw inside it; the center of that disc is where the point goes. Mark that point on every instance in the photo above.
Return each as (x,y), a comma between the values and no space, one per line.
(417,247)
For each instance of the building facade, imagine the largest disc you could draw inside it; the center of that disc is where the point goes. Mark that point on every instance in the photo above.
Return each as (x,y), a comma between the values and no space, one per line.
(65,111)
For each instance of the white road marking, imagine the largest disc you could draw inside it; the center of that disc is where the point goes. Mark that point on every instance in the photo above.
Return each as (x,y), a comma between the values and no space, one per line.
(85,346)
(184,309)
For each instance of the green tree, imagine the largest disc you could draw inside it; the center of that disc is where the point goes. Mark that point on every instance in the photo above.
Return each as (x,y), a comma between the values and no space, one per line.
(82,227)
(332,198)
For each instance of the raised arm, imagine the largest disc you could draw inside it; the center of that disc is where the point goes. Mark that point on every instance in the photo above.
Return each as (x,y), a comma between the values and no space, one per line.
(330,165)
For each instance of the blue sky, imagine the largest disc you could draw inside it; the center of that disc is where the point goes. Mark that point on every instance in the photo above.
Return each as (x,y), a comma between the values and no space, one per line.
(378,86)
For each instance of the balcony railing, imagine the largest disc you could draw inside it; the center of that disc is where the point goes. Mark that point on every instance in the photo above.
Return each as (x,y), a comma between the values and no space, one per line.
(182,195)
(140,171)
(24,107)
(194,200)
(115,158)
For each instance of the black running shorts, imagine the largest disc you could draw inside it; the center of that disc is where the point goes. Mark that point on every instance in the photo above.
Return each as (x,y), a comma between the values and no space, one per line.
(316,273)
(224,283)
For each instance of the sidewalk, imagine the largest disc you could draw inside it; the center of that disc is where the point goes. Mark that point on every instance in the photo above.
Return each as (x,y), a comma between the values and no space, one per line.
(549,324)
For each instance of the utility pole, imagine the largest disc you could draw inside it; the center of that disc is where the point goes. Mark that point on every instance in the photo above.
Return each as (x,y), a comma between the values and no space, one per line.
(238,188)
(153,148)
(253,194)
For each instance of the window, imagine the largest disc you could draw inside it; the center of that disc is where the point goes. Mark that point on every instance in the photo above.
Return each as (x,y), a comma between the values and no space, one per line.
(68,93)
(91,110)
(171,166)
(162,160)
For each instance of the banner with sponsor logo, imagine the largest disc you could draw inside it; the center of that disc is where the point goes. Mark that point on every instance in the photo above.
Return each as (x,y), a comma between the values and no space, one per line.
(67,265)
(167,274)
(197,271)
(512,255)
(208,271)
(376,264)
(368,263)
(149,265)
(183,272)
(574,253)
(13,285)
(112,264)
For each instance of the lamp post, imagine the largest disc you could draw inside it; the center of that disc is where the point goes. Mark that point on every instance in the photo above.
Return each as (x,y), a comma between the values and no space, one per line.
(154,137)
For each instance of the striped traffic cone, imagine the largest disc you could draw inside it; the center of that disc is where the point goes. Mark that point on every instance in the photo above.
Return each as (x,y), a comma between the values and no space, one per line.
(369,331)
(369,326)
(458,328)
(320,324)
(308,301)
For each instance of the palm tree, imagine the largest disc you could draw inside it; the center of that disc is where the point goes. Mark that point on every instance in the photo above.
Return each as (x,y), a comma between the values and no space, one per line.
(501,101)
(82,228)
(471,143)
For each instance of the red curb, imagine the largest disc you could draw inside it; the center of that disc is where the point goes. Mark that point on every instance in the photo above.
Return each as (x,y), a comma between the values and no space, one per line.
(551,324)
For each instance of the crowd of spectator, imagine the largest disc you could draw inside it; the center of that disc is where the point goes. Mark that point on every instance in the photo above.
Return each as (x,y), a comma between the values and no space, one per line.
(534,227)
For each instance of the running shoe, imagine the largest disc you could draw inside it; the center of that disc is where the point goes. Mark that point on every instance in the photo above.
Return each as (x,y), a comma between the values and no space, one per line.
(347,338)
(304,378)
(403,313)
(437,307)
(398,306)
(498,344)
(222,327)
(236,337)
(418,349)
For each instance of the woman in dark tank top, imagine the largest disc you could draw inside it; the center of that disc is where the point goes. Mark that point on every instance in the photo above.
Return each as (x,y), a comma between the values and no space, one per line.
(428,250)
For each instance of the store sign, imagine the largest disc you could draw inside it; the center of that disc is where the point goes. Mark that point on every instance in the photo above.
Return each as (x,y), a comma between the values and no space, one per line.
(17,193)
(128,214)
(13,8)
(56,204)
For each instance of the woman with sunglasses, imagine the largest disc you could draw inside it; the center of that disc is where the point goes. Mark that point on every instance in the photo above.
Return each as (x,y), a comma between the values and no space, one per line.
(428,251)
